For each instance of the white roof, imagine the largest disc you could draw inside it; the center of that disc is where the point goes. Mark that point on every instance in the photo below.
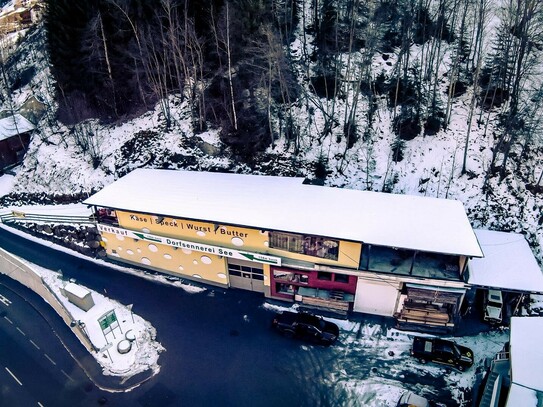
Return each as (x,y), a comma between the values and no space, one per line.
(508,263)
(76,290)
(527,352)
(13,125)
(521,396)
(286,204)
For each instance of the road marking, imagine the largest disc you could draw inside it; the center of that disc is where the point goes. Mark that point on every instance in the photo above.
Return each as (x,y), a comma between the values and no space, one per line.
(40,404)
(12,375)
(32,342)
(50,360)
(5,301)
(19,329)
(9,320)
(66,374)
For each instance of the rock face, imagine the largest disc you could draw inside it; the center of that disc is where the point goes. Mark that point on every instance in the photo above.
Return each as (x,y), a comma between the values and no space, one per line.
(84,239)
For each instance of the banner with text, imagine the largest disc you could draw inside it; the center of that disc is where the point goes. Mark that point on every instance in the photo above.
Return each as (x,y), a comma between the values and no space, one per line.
(199,247)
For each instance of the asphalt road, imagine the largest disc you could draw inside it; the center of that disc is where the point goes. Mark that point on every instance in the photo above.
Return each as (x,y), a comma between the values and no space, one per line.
(220,349)
(34,367)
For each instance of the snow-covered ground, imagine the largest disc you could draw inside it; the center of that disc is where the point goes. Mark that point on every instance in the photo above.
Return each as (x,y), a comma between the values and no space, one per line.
(144,349)
(55,164)
(373,365)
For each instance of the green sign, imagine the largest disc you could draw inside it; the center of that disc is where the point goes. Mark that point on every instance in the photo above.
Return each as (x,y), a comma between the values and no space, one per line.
(107,320)
(147,237)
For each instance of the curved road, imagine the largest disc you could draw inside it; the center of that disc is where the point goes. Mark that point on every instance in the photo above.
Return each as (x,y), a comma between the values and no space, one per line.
(220,350)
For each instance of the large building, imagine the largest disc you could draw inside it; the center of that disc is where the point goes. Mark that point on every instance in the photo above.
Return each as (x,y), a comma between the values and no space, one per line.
(331,248)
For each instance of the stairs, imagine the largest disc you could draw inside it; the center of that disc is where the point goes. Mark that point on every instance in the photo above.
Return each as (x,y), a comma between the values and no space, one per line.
(491,394)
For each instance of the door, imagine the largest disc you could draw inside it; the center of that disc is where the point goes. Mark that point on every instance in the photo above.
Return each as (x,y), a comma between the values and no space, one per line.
(246,275)
(376,297)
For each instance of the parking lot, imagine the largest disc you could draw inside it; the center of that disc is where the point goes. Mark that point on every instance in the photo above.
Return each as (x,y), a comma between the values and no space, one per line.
(371,365)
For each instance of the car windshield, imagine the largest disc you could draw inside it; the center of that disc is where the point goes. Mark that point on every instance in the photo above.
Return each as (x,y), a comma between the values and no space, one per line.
(450,349)
(312,320)
(495,298)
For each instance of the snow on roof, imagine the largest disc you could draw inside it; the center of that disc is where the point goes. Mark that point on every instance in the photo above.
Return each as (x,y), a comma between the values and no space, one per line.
(526,352)
(77,290)
(508,263)
(13,125)
(286,204)
(521,396)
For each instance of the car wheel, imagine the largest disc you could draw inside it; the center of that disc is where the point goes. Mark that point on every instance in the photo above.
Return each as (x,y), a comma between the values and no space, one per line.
(422,361)
(460,367)
(288,333)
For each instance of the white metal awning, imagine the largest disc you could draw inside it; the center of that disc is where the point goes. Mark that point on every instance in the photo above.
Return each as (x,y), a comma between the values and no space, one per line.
(435,288)
(509,263)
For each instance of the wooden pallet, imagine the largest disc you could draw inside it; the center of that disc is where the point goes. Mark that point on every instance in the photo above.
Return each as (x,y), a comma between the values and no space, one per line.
(341,306)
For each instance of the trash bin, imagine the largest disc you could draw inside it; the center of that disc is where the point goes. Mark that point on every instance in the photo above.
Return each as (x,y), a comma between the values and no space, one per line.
(130,335)
(124,346)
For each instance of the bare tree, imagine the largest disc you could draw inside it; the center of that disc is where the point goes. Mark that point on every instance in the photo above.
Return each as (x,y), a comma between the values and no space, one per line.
(521,29)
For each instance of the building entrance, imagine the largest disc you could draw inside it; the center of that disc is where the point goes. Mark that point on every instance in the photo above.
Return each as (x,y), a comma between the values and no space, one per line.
(246,275)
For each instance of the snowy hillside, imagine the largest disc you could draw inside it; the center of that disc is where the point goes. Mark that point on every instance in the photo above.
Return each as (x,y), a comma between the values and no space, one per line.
(77,160)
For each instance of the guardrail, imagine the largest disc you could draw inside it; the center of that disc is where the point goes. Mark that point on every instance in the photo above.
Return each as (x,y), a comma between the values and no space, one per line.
(22,272)
(15,216)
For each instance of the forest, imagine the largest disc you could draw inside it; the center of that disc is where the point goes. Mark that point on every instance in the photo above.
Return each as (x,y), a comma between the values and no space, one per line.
(246,65)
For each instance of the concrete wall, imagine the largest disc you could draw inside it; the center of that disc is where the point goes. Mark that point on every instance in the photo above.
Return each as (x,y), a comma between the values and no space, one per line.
(24,274)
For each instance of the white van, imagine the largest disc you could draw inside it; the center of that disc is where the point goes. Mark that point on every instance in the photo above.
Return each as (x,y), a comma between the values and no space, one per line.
(493,306)
(410,399)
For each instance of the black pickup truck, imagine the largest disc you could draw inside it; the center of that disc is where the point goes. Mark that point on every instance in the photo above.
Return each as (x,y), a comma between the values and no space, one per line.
(442,351)
(307,326)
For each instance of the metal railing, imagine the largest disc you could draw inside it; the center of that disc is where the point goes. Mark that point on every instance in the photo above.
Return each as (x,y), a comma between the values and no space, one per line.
(15,216)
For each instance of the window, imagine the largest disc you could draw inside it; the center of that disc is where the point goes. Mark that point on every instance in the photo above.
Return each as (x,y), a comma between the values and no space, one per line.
(245,271)
(284,288)
(321,275)
(341,278)
(437,265)
(286,241)
(388,259)
(291,277)
(106,215)
(305,244)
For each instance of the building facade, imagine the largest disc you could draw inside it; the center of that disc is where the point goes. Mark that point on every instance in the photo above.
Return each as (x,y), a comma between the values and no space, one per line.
(327,248)
(15,135)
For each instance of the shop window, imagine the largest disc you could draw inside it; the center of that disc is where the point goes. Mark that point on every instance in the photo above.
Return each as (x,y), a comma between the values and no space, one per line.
(108,216)
(437,265)
(305,244)
(281,288)
(290,277)
(341,278)
(321,275)
(389,259)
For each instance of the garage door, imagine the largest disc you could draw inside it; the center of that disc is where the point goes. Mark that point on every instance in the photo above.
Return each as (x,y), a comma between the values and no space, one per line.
(246,275)
(378,298)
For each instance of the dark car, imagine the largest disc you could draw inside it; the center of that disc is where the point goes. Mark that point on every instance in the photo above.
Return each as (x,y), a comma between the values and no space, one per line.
(442,351)
(307,326)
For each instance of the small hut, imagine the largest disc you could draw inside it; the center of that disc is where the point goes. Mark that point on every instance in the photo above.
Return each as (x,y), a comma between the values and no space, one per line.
(15,133)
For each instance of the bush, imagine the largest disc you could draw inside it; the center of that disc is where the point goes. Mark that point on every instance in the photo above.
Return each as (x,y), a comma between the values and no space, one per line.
(325,86)
(406,93)
(407,128)
(432,125)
